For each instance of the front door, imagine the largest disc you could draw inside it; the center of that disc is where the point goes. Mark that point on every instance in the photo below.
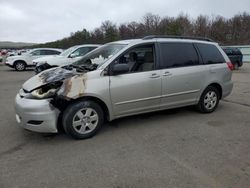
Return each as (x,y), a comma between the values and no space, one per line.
(139,90)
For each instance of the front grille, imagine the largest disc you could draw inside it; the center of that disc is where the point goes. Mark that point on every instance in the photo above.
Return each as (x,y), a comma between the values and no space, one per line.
(34,122)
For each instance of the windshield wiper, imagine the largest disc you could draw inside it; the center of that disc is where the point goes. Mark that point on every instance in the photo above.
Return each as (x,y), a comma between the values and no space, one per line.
(72,66)
(82,68)
(89,67)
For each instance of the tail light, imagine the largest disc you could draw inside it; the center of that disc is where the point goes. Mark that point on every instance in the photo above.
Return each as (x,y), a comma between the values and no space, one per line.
(230,66)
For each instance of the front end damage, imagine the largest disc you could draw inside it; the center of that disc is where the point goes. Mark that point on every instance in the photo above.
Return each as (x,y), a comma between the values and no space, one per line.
(45,96)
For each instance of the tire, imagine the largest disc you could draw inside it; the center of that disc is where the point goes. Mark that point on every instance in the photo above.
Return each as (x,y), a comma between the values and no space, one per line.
(209,100)
(82,119)
(20,66)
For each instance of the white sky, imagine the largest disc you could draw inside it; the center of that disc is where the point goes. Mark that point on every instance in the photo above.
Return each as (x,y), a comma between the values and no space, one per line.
(49,20)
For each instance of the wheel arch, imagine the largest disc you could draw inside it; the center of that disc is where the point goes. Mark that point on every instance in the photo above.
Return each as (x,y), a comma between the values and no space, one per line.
(19,60)
(103,105)
(217,86)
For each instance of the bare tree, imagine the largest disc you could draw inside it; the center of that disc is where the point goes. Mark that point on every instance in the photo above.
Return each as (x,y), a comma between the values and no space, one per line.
(202,26)
(235,30)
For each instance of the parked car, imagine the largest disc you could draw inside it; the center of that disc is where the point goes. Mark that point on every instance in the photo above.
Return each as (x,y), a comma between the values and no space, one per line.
(3,54)
(234,55)
(67,57)
(114,81)
(20,62)
(11,53)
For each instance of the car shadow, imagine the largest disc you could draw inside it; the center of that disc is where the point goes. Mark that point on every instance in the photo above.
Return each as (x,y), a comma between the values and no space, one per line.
(151,116)
(13,70)
(108,127)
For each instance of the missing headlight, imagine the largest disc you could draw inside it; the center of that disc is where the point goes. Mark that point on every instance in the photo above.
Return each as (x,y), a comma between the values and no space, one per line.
(46,91)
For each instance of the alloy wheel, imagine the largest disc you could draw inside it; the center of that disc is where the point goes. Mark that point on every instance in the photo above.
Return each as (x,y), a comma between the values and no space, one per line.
(85,120)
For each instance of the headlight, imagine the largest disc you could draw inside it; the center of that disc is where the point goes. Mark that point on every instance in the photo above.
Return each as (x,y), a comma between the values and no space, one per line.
(46,91)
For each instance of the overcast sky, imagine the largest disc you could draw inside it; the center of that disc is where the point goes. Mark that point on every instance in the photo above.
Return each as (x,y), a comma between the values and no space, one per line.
(49,20)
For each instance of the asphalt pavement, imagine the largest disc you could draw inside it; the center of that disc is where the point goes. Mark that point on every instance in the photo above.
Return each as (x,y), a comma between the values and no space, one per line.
(172,148)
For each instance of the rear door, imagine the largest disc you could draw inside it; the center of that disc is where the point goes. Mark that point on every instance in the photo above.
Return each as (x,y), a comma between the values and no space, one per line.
(215,64)
(34,55)
(182,74)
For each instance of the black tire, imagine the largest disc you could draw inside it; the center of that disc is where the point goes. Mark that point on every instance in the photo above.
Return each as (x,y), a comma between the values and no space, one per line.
(81,107)
(203,106)
(20,66)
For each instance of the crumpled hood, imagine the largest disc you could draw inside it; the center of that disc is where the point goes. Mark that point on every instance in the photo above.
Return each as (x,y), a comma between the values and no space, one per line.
(46,77)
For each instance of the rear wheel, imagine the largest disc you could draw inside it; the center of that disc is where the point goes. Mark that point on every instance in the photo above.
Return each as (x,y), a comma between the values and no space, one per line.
(209,100)
(83,119)
(20,66)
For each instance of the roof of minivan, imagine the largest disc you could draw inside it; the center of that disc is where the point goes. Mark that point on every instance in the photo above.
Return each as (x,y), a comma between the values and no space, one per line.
(135,41)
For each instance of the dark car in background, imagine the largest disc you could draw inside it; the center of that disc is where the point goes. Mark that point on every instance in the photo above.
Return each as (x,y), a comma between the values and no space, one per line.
(234,55)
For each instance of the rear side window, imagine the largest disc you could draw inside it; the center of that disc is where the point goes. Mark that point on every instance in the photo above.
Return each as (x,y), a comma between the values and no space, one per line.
(92,48)
(210,53)
(36,52)
(178,55)
(53,52)
(49,52)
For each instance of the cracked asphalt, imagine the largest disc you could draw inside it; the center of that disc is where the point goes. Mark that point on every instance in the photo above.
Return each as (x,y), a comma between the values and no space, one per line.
(173,148)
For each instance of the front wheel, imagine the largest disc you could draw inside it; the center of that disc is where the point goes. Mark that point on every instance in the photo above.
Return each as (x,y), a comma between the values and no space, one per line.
(83,119)
(209,100)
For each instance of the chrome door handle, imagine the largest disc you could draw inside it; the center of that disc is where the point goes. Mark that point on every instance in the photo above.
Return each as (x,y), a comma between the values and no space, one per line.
(154,75)
(167,74)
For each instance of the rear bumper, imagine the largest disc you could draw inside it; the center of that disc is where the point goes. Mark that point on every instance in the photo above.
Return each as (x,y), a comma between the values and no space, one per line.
(36,115)
(227,89)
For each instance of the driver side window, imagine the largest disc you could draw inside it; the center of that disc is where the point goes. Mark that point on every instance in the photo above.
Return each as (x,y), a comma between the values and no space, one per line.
(138,59)
(35,53)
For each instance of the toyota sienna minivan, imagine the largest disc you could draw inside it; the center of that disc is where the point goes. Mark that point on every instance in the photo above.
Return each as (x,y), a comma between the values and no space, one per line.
(125,78)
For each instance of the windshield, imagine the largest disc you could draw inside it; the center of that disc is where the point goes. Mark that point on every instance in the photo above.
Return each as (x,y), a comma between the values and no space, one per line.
(100,55)
(67,52)
(31,51)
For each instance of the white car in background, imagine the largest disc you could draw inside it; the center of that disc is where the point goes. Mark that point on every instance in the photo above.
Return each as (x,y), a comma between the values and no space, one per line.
(21,62)
(67,57)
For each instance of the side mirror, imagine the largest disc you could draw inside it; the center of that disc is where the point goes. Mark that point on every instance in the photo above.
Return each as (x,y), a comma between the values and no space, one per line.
(73,55)
(120,69)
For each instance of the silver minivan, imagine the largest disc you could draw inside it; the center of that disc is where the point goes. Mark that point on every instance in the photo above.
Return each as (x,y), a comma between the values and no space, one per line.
(124,78)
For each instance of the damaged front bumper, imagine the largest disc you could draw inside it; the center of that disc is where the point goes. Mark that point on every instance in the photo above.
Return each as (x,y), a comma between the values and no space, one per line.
(36,115)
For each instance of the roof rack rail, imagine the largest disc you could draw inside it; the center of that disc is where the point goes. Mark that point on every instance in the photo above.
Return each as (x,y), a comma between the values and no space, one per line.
(177,37)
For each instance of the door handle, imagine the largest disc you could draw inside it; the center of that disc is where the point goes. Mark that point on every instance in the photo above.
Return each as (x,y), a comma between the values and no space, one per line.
(167,74)
(154,75)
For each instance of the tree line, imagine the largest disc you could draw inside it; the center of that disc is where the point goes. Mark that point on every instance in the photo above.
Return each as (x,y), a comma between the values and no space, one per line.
(225,31)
